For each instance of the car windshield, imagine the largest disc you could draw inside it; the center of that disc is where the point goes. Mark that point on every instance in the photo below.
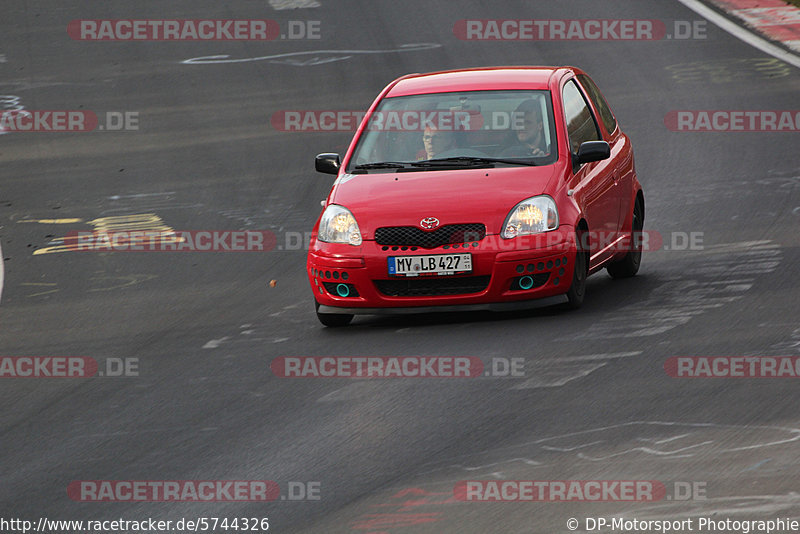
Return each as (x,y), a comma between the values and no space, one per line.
(453,130)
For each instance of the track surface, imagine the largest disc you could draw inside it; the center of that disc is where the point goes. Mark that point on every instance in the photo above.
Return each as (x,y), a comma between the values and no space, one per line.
(596,402)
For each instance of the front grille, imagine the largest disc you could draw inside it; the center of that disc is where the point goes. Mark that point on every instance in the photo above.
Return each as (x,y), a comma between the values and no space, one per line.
(424,287)
(411,236)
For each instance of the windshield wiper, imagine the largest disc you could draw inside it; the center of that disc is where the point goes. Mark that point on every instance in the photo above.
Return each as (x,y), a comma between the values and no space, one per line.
(476,160)
(382,165)
(458,161)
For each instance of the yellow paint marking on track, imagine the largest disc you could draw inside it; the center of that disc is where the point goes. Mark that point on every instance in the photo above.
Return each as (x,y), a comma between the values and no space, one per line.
(51,221)
(43,293)
(56,248)
(142,222)
(124,222)
(47,284)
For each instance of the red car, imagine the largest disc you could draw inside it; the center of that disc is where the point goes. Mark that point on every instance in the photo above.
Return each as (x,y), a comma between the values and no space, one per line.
(476,189)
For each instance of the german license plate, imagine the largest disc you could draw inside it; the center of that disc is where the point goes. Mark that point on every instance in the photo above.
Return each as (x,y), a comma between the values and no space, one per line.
(439,264)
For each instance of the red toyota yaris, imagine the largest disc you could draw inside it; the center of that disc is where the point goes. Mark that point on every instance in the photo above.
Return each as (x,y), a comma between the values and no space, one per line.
(476,189)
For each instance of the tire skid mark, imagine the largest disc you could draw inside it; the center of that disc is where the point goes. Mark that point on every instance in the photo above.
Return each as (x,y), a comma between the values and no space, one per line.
(720,275)
(308,58)
(672,441)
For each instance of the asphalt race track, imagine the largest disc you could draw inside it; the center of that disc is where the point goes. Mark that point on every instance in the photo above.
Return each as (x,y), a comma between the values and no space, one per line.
(199,329)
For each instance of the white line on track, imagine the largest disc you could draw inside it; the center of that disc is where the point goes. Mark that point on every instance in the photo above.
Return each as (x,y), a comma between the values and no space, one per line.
(741,33)
(558,371)
(279,5)
(140,195)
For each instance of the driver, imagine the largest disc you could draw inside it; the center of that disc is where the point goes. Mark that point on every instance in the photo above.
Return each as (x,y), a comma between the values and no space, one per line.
(436,142)
(530,139)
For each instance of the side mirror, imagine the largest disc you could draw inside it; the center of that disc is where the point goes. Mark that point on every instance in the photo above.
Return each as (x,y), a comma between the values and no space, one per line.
(592,151)
(327,163)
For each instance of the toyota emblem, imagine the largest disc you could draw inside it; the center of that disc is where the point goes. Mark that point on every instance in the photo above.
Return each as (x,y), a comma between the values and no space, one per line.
(429,223)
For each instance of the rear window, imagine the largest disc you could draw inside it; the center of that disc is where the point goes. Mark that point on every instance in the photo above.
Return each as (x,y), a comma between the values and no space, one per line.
(599,102)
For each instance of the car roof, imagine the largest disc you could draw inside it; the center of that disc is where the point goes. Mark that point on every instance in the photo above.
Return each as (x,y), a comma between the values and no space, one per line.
(489,78)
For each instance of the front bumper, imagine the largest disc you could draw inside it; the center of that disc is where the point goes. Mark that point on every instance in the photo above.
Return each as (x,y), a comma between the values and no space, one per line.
(506,274)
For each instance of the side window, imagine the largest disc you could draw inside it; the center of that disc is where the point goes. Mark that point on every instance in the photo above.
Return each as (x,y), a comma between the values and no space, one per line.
(599,102)
(580,123)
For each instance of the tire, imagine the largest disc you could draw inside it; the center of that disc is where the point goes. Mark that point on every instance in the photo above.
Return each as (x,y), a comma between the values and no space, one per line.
(629,265)
(577,290)
(333,320)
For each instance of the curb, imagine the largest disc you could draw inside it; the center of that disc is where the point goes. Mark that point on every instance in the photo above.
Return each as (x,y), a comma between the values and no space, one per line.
(774,19)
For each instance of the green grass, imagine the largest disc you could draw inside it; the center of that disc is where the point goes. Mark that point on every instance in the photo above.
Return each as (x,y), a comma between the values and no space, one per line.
(795,2)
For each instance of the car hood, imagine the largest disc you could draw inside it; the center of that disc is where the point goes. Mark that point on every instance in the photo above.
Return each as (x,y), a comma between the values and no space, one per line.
(452,196)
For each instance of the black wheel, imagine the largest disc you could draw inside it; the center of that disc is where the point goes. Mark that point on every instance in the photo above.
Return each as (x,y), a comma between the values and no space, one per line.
(629,265)
(333,320)
(578,288)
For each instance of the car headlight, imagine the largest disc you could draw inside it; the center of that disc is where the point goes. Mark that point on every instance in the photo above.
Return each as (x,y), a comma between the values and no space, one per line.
(531,216)
(338,225)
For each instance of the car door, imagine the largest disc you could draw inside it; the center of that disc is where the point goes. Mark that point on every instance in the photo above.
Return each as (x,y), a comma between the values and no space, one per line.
(621,151)
(594,184)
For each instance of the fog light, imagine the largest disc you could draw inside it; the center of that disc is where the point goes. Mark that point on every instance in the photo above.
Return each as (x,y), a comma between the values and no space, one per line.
(525,282)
